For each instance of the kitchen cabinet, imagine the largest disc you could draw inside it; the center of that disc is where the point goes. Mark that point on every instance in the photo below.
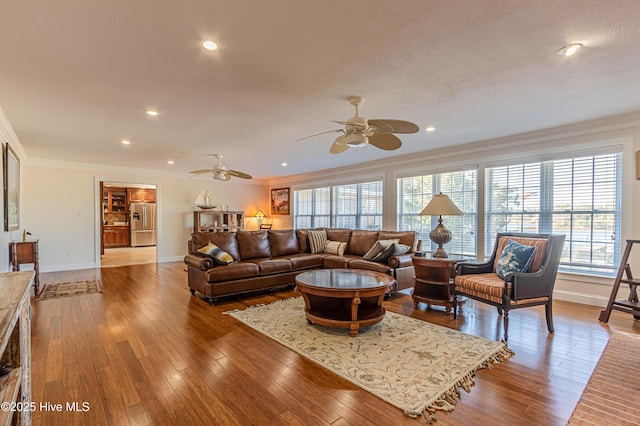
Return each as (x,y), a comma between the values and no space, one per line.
(138,195)
(116,236)
(217,221)
(114,200)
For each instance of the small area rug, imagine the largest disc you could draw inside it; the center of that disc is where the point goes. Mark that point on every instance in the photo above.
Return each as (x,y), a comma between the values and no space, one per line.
(612,395)
(414,365)
(74,288)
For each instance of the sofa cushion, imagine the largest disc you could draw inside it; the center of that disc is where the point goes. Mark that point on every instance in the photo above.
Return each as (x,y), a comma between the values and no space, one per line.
(377,248)
(254,244)
(335,247)
(370,266)
(515,257)
(283,242)
(361,241)
(214,252)
(227,241)
(303,240)
(317,241)
(409,238)
(339,234)
(305,261)
(235,271)
(336,262)
(272,266)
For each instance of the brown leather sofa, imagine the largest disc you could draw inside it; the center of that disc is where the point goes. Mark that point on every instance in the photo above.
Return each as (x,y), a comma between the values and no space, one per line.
(268,259)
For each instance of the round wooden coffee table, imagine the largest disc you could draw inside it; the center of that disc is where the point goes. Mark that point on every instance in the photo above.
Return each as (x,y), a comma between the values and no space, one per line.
(344,298)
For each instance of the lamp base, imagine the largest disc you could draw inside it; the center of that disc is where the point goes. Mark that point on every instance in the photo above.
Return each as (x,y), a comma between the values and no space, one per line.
(440,253)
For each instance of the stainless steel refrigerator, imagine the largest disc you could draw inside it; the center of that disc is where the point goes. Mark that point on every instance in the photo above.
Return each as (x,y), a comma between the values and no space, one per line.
(143,224)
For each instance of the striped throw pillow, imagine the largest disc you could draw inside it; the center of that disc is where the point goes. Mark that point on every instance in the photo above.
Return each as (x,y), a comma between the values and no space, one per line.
(218,255)
(317,241)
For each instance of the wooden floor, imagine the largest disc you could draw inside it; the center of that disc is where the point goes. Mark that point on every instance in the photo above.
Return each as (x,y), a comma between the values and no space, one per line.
(123,256)
(148,352)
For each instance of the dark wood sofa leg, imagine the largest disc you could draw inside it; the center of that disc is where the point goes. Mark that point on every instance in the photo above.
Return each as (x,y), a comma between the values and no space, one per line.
(506,325)
(192,291)
(455,306)
(549,314)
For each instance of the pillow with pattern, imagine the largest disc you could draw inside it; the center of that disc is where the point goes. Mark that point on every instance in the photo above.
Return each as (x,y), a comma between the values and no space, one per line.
(378,247)
(515,257)
(399,249)
(218,255)
(384,255)
(317,241)
(335,247)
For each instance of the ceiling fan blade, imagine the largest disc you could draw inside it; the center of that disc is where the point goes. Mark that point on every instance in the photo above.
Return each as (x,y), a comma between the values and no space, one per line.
(339,145)
(201,171)
(238,174)
(380,126)
(388,142)
(350,123)
(397,126)
(318,134)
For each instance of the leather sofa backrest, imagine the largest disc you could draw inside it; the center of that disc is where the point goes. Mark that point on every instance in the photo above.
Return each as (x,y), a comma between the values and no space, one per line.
(254,244)
(339,234)
(227,241)
(409,238)
(283,242)
(361,241)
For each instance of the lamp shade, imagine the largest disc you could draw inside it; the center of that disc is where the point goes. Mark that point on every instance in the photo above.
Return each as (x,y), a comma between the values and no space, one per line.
(441,205)
(260,214)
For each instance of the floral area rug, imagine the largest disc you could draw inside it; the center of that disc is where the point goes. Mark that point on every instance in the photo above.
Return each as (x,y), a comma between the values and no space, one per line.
(414,365)
(74,288)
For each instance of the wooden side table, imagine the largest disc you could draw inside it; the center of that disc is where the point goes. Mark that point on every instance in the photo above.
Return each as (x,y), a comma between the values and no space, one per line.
(24,252)
(433,281)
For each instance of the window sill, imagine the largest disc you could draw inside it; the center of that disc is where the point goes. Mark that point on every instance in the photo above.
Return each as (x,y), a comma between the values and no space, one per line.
(586,278)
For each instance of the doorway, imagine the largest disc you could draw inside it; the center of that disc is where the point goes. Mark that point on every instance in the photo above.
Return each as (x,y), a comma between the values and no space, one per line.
(128,224)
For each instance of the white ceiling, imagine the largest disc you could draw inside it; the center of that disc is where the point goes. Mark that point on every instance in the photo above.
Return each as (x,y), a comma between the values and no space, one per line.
(76,76)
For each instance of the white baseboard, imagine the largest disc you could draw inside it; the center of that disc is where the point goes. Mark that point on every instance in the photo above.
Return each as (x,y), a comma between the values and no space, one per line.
(584,299)
(72,267)
(171,259)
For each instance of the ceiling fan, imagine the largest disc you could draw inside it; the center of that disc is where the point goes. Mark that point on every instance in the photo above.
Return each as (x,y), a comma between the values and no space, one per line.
(220,172)
(359,131)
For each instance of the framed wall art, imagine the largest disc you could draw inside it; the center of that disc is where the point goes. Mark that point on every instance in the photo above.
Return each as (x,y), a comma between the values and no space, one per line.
(280,201)
(11,189)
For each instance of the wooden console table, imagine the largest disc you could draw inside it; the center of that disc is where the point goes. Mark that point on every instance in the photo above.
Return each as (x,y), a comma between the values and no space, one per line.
(433,281)
(15,347)
(23,252)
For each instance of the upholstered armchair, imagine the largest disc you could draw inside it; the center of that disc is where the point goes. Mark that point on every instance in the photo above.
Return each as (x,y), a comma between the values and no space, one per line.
(498,283)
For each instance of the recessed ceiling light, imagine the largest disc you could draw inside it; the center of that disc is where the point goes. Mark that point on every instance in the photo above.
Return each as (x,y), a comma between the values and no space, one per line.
(152,113)
(209,45)
(570,49)
(125,142)
(430,129)
(284,164)
(170,162)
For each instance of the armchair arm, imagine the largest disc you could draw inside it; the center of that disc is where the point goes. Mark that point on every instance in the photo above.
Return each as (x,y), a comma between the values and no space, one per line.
(199,262)
(400,261)
(465,268)
(528,285)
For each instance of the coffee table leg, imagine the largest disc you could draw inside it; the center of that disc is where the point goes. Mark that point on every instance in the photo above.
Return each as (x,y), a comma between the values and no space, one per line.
(355,325)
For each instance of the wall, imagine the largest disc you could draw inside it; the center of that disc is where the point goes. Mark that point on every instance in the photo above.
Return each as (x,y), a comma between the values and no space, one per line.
(615,131)
(61,207)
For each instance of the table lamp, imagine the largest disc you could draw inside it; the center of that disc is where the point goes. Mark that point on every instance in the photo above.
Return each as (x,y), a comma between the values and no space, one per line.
(440,205)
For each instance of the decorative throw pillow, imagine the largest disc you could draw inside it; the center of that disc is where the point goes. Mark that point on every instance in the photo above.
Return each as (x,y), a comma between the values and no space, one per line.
(515,257)
(399,249)
(317,241)
(384,255)
(378,247)
(218,255)
(335,247)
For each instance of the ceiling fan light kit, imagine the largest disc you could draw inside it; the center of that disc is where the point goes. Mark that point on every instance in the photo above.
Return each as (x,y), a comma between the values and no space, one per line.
(359,131)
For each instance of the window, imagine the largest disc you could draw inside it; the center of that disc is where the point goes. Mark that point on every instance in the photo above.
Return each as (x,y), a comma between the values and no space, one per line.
(358,206)
(416,191)
(311,208)
(355,206)
(579,197)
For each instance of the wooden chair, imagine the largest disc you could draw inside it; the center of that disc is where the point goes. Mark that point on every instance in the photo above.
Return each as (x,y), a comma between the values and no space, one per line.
(479,281)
